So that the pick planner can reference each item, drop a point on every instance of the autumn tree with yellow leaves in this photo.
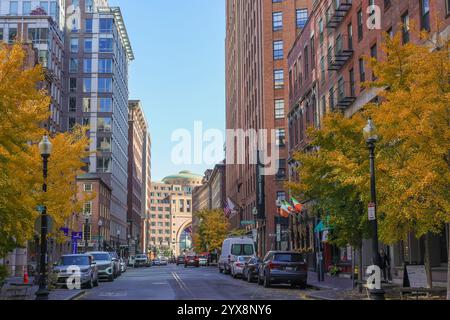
(213, 229)
(412, 154)
(23, 109)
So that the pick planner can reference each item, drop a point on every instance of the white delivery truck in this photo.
(232, 248)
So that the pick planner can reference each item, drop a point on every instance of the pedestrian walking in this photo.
(385, 266)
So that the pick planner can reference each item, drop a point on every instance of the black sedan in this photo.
(251, 268)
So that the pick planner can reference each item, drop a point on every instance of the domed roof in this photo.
(185, 175)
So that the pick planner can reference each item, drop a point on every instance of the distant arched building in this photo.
(170, 216)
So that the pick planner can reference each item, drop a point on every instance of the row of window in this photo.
(104, 85)
(301, 17)
(106, 25)
(104, 104)
(50, 7)
(104, 65)
(105, 45)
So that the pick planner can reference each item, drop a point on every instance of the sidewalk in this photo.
(332, 288)
(56, 294)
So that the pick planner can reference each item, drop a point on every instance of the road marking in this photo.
(182, 285)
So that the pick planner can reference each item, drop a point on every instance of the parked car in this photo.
(283, 267)
(141, 260)
(203, 260)
(123, 265)
(86, 264)
(180, 260)
(105, 265)
(251, 268)
(163, 261)
(191, 260)
(115, 258)
(156, 262)
(232, 248)
(237, 267)
(131, 261)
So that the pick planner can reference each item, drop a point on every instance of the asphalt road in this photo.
(179, 283)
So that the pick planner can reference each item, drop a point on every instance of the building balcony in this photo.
(344, 95)
(340, 53)
(337, 13)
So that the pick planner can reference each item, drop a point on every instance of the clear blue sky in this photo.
(178, 71)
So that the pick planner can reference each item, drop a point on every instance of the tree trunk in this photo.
(448, 261)
(360, 268)
(428, 260)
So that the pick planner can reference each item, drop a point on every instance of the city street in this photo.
(179, 283)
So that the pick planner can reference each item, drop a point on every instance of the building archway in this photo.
(184, 238)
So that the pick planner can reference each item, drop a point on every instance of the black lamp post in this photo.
(45, 149)
(371, 137)
(86, 228)
(118, 242)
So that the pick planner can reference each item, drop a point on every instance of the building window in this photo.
(87, 66)
(279, 109)
(72, 122)
(331, 98)
(301, 17)
(447, 7)
(87, 85)
(373, 54)
(72, 104)
(278, 79)
(352, 82)
(106, 45)
(89, 26)
(277, 1)
(360, 24)
(321, 31)
(106, 25)
(281, 174)
(277, 21)
(322, 69)
(306, 62)
(350, 36)
(425, 14)
(86, 121)
(53, 9)
(280, 135)
(313, 53)
(12, 35)
(362, 71)
(88, 45)
(14, 8)
(88, 187)
(387, 4)
(44, 6)
(73, 65)
(105, 105)
(103, 165)
(87, 104)
(105, 66)
(105, 85)
(74, 46)
(89, 6)
(104, 144)
(281, 195)
(104, 124)
(26, 8)
(73, 84)
(405, 27)
(278, 50)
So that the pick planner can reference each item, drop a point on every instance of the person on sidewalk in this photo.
(385, 266)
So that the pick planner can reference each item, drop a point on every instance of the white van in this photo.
(232, 248)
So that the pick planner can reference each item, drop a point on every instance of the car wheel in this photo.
(260, 282)
(293, 285)
(249, 277)
(111, 278)
(90, 284)
(266, 281)
(185, 266)
(96, 283)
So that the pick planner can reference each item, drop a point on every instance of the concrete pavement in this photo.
(179, 283)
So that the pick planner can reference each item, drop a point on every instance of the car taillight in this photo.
(273, 266)
(238, 264)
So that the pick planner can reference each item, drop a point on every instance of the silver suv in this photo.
(63, 269)
(115, 258)
(105, 265)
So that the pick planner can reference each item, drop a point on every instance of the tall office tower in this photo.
(147, 181)
(98, 52)
(259, 35)
(138, 162)
(40, 23)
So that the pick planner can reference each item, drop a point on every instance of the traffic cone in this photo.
(25, 276)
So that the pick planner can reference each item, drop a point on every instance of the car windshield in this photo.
(74, 261)
(101, 256)
(141, 256)
(289, 257)
(242, 249)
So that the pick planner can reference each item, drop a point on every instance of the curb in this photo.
(76, 295)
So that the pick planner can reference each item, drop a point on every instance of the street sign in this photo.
(372, 216)
(77, 236)
(37, 224)
(247, 222)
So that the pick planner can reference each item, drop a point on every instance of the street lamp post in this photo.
(100, 238)
(128, 243)
(86, 227)
(45, 149)
(118, 242)
(371, 138)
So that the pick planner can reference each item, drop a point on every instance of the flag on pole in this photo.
(229, 207)
(288, 205)
(297, 205)
(284, 211)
